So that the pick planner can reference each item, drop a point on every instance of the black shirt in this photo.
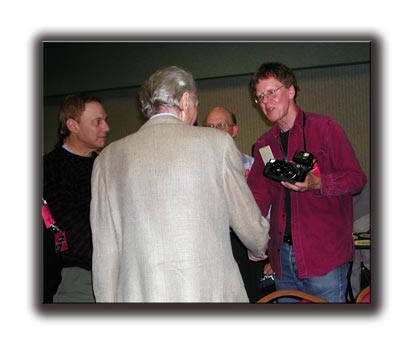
(67, 190)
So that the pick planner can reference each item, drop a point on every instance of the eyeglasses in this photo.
(219, 126)
(270, 94)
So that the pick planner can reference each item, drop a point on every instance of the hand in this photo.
(311, 182)
(268, 269)
(252, 257)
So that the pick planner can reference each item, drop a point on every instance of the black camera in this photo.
(266, 280)
(290, 171)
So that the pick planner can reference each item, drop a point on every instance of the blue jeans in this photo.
(331, 287)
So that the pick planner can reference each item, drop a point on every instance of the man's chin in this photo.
(101, 144)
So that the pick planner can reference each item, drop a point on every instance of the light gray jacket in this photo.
(163, 199)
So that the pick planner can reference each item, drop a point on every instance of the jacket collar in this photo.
(162, 119)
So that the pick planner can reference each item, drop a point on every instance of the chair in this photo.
(364, 296)
(304, 297)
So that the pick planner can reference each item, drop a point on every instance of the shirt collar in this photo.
(164, 114)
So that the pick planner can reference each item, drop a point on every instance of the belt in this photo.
(288, 240)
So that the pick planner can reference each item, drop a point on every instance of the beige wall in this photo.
(342, 92)
(72, 66)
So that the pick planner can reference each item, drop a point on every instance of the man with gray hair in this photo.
(163, 200)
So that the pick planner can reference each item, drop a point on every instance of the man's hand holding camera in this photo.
(297, 175)
(311, 182)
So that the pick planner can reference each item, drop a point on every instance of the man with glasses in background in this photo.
(311, 220)
(222, 119)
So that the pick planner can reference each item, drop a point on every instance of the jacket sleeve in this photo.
(245, 217)
(105, 242)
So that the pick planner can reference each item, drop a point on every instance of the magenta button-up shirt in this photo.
(321, 219)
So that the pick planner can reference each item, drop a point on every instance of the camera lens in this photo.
(289, 171)
(277, 168)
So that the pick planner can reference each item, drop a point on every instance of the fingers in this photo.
(268, 269)
(252, 257)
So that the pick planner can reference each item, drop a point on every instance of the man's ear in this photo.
(72, 125)
(292, 92)
(184, 101)
(235, 130)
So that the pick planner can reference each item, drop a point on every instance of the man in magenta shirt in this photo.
(311, 241)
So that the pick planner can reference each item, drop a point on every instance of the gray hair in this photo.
(165, 88)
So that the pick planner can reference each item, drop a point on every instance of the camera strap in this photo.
(315, 165)
(304, 133)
